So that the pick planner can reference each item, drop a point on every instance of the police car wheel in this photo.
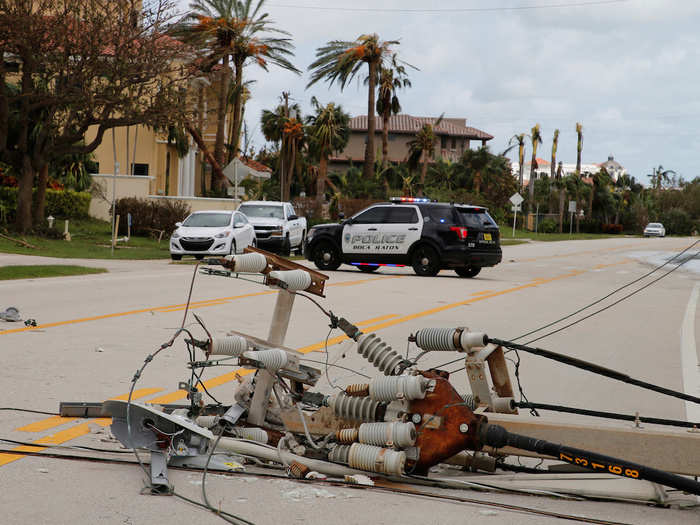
(326, 256)
(368, 269)
(468, 271)
(286, 246)
(425, 261)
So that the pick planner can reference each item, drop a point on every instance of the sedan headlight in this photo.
(223, 234)
(175, 235)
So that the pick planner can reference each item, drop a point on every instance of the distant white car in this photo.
(655, 229)
(277, 226)
(212, 232)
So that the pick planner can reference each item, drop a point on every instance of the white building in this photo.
(614, 169)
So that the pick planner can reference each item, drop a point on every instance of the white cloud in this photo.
(628, 71)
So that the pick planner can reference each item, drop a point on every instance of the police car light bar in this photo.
(409, 199)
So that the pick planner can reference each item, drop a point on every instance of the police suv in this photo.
(429, 236)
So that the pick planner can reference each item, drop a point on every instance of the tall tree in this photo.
(536, 140)
(284, 127)
(555, 146)
(78, 66)
(392, 77)
(519, 140)
(579, 190)
(579, 147)
(231, 34)
(328, 131)
(422, 148)
(476, 162)
(341, 61)
(560, 184)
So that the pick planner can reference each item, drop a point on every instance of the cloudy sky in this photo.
(628, 70)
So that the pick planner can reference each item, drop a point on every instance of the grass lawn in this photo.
(90, 240)
(511, 242)
(55, 270)
(507, 232)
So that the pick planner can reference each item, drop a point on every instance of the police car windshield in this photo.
(208, 220)
(476, 218)
(264, 211)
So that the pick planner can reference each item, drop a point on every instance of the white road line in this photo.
(689, 356)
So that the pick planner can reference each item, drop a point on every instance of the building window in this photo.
(443, 142)
(454, 143)
(140, 170)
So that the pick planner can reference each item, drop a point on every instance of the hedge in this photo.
(62, 204)
(150, 215)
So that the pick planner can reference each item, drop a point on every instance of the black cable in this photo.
(66, 447)
(605, 297)
(608, 415)
(30, 411)
(326, 312)
(594, 368)
(498, 437)
(337, 366)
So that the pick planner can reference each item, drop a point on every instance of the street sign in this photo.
(572, 206)
(516, 199)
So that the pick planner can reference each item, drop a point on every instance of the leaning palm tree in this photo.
(555, 146)
(392, 77)
(536, 140)
(233, 33)
(520, 141)
(342, 60)
(328, 131)
(579, 147)
(422, 147)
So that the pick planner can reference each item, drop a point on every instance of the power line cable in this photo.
(530, 7)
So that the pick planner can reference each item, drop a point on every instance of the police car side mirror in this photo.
(349, 221)
(292, 218)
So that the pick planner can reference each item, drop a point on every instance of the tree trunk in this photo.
(219, 153)
(216, 171)
(423, 173)
(167, 173)
(321, 181)
(24, 196)
(40, 203)
(477, 182)
(521, 159)
(238, 109)
(531, 184)
(562, 202)
(368, 168)
(385, 139)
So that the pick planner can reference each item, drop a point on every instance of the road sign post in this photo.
(572, 210)
(517, 200)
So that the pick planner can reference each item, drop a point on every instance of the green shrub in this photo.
(62, 204)
(548, 226)
(612, 228)
(677, 221)
(149, 215)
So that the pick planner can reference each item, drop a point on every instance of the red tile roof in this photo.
(254, 164)
(411, 124)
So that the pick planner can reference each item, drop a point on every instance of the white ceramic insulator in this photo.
(436, 339)
(294, 279)
(251, 434)
(347, 435)
(249, 263)
(470, 401)
(469, 340)
(504, 405)
(398, 388)
(376, 459)
(394, 434)
(233, 345)
(207, 421)
(272, 358)
(339, 454)
(354, 408)
(377, 352)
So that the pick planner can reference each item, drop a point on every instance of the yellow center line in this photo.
(376, 319)
(174, 306)
(481, 293)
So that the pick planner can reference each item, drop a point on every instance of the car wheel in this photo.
(468, 271)
(175, 257)
(367, 269)
(326, 256)
(286, 249)
(425, 261)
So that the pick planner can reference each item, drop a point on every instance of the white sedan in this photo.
(655, 229)
(211, 233)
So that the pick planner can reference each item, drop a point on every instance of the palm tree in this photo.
(423, 147)
(328, 130)
(560, 184)
(477, 162)
(579, 147)
(520, 141)
(342, 60)
(659, 176)
(579, 191)
(535, 139)
(234, 33)
(277, 126)
(555, 146)
(391, 78)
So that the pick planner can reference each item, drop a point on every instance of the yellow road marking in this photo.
(173, 306)
(376, 319)
(57, 421)
(481, 293)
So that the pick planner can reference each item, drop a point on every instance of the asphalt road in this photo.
(95, 331)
